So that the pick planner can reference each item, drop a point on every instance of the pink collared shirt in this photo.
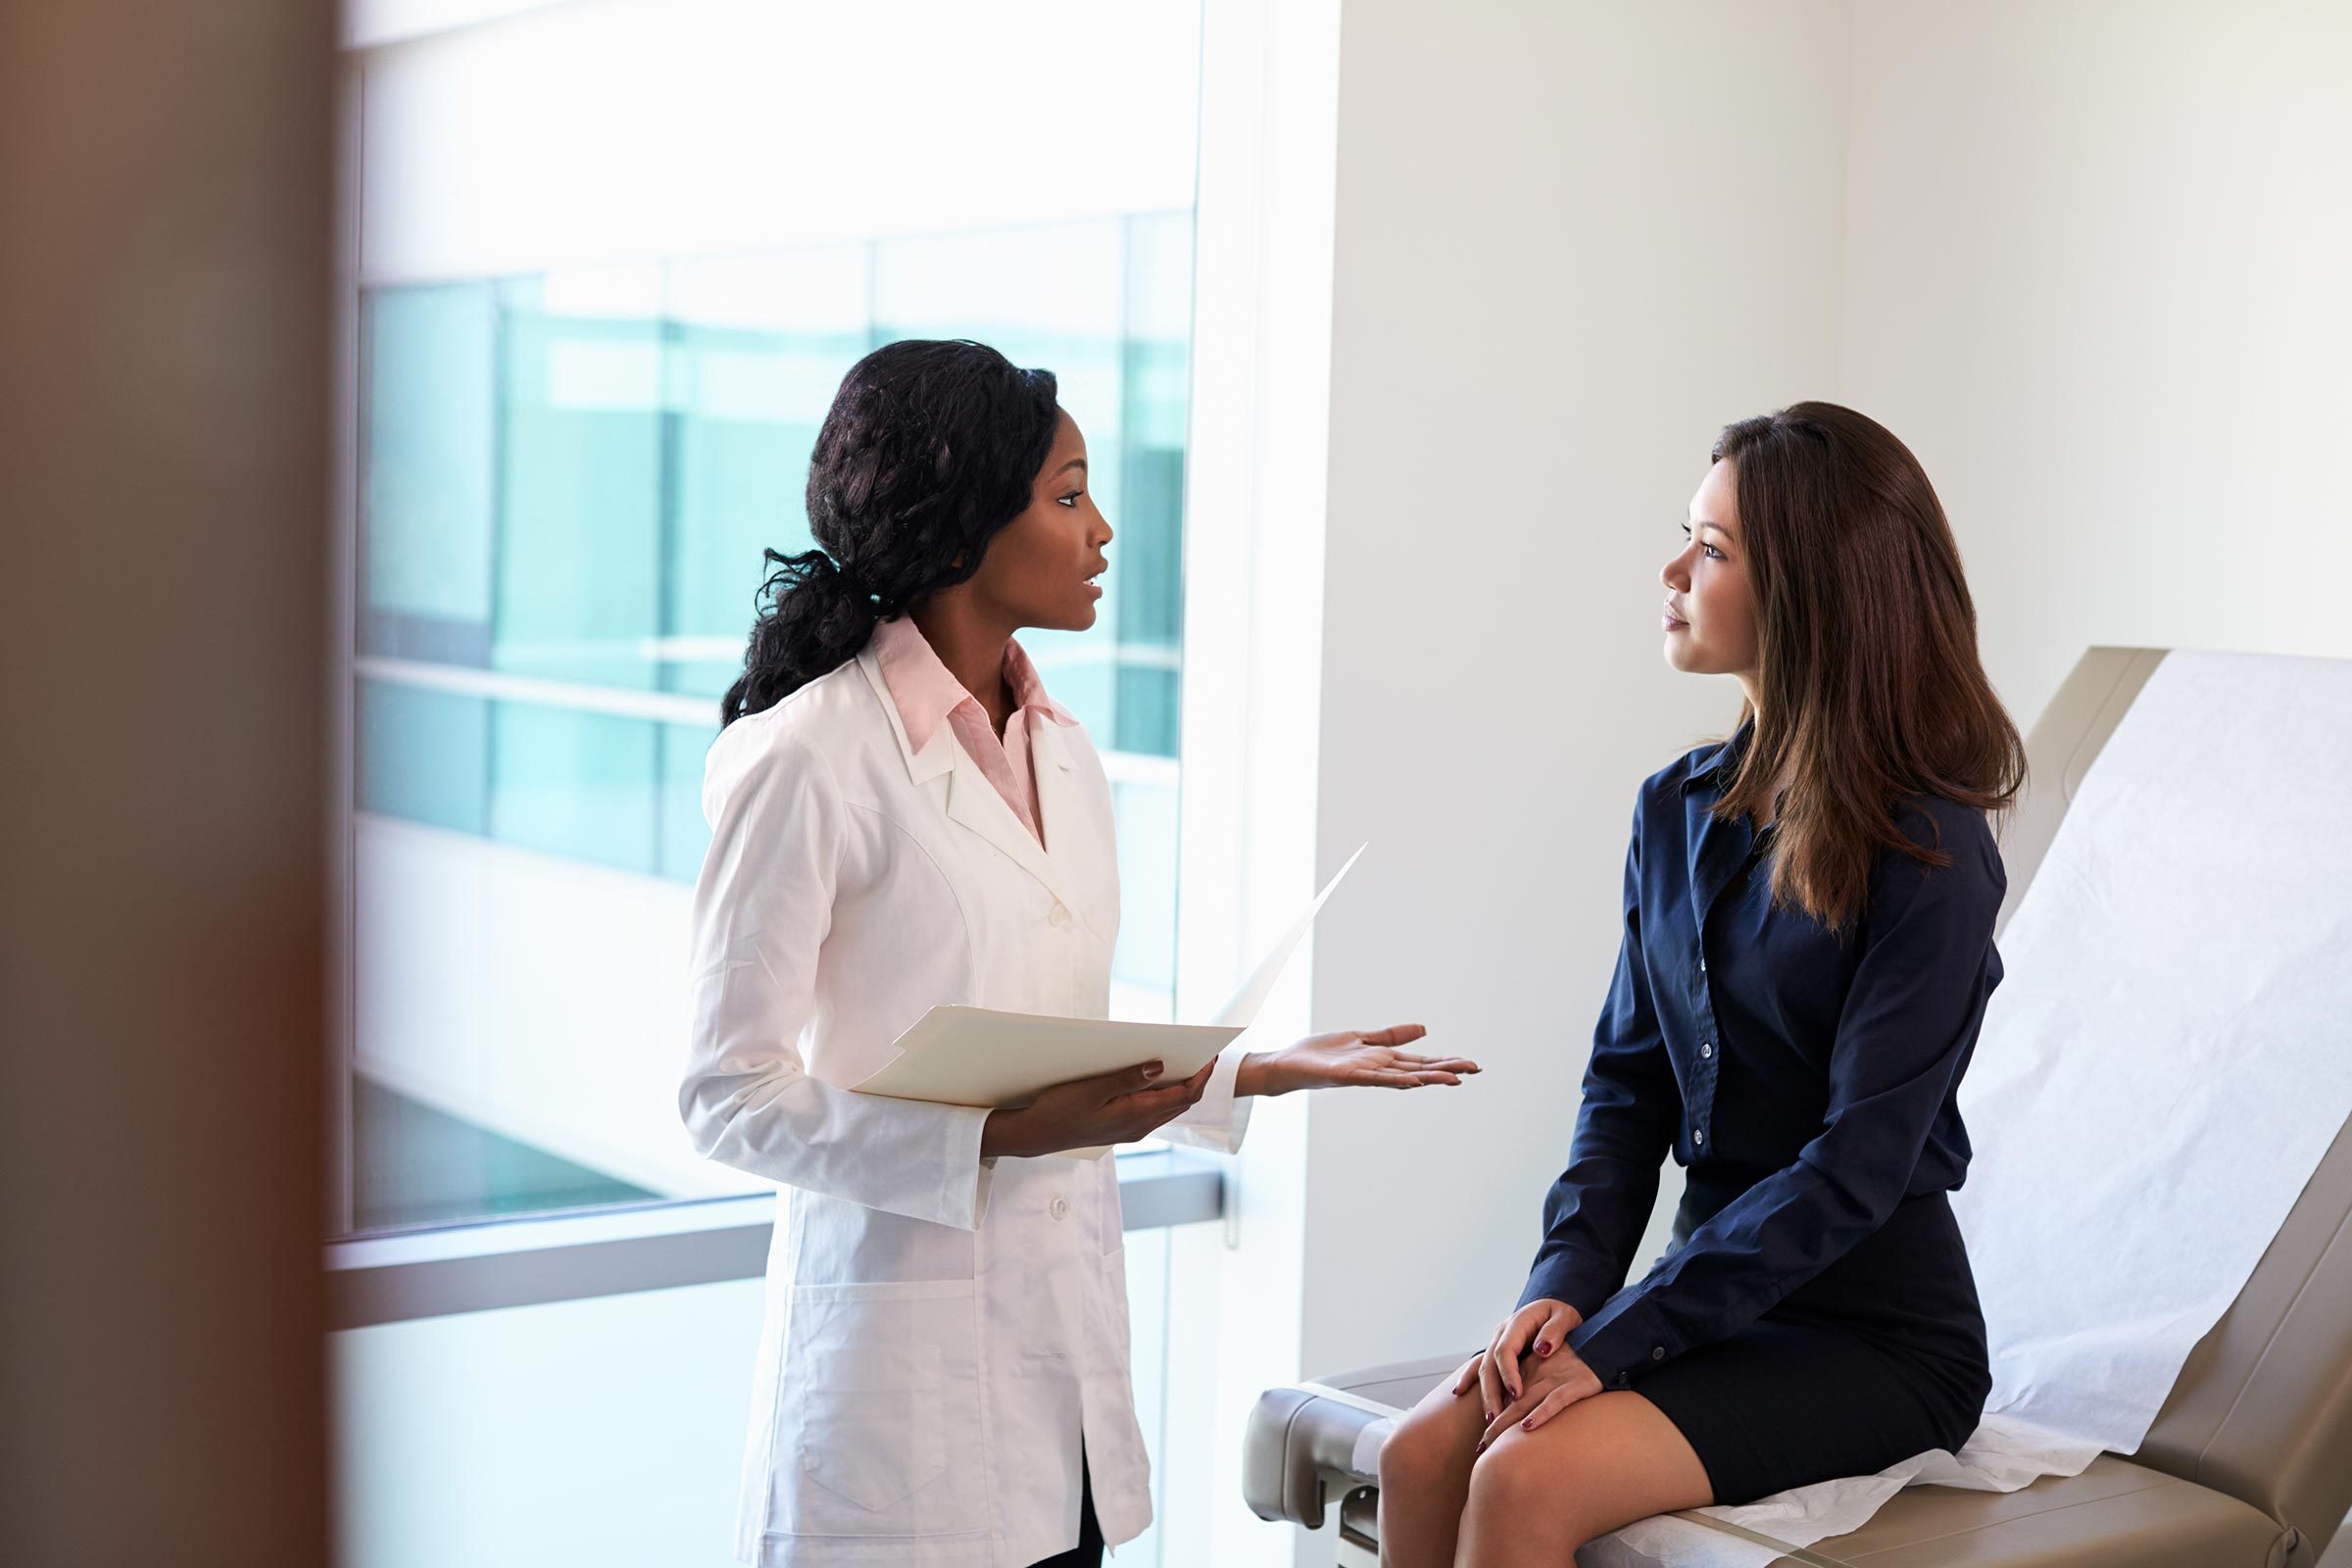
(925, 692)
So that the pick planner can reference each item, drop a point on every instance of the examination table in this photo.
(2248, 1465)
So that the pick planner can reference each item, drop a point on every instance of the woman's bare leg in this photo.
(1598, 1466)
(1425, 1479)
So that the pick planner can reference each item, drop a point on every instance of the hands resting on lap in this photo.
(1527, 1374)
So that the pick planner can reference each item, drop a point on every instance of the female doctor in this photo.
(902, 817)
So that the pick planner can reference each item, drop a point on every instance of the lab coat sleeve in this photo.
(763, 907)
(1219, 1117)
(1904, 1036)
(1595, 1213)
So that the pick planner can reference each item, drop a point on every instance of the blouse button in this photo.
(1702, 964)
(1706, 1048)
(1698, 1138)
(1061, 915)
(1060, 1207)
(1657, 1352)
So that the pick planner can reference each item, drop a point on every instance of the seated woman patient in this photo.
(1807, 951)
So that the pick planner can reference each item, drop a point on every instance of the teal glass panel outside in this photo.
(573, 784)
(755, 346)
(1154, 386)
(428, 490)
(570, 478)
(684, 833)
(415, 1165)
(581, 456)
(424, 756)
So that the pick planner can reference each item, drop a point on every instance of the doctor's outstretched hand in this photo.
(1348, 1058)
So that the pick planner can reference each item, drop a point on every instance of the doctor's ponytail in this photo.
(929, 450)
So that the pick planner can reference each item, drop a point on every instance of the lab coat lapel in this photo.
(975, 802)
(1056, 790)
(972, 799)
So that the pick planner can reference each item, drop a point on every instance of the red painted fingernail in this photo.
(1543, 1346)
(1527, 1425)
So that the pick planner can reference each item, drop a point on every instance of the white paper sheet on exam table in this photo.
(2164, 1054)
(982, 1057)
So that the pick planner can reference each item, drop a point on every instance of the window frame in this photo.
(538, 1259)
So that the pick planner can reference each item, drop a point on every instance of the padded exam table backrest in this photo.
(2263, 1408)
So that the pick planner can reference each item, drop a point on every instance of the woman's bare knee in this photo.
(1424, 1453)
(1424, 1473)
(1514, 1474)
(1595, 1468)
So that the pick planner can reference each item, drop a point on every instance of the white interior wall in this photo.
(2097, 257)
(1571, 242)
(2088, 261)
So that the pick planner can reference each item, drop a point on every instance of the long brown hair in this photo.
(1866, 649)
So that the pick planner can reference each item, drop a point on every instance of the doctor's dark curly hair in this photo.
(929, 449)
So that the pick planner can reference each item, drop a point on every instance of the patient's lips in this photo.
(1671, 621)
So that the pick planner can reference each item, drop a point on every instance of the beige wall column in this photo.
(164, 299)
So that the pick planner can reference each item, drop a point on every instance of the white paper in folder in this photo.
(982, 1057)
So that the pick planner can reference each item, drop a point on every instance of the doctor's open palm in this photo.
(1119, 1107)
(1350, 1058)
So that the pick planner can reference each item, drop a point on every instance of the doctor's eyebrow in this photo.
(1074, 462)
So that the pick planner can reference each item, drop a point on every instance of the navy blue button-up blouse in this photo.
(1754, 1046)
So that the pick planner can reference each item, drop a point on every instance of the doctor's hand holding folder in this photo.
(1076, 1085)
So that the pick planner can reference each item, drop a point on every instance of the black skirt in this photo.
(1879, 1358)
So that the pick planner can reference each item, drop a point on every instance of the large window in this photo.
(566, 483)
(604, 266)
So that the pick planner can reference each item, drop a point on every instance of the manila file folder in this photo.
(981, 1057)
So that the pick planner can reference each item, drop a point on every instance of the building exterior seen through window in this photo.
(565, 483)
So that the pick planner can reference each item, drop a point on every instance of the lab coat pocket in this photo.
(875, 1447)
(881, 1408)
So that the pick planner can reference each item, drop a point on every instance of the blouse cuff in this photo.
(1581, 1281)
(1620, 1344)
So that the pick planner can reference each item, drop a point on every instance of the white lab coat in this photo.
(938, 1334)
